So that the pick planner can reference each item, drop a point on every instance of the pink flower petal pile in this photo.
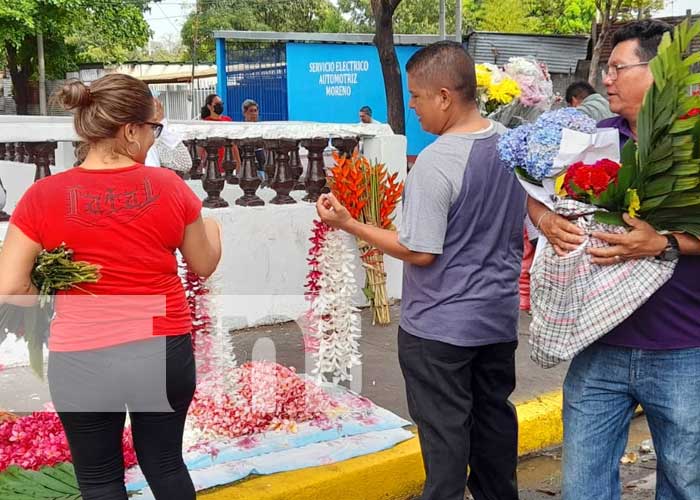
(38, 440)
(269, 396)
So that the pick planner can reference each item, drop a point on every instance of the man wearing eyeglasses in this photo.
(653, 357)
(627, 76)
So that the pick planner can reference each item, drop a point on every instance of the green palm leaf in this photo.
(668, 170)
(49, 483)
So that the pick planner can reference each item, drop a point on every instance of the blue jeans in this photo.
(602, 390)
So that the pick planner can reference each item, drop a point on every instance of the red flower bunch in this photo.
(693, 112)
(320, 230)
(590, 179)
(38, 440)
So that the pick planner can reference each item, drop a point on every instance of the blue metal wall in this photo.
(321, 83)
(259, 72)
(330, 82)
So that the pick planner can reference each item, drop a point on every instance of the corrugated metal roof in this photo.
(560, 53)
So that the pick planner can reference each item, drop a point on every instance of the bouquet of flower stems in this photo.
(536, 92)
(53, 270)
(659, 180)
(371, 195)
(495, 89)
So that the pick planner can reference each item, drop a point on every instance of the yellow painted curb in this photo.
(395, 474)
(539, 423)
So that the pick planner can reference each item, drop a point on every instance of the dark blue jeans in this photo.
(602, 390)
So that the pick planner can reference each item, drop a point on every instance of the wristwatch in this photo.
(672, 250)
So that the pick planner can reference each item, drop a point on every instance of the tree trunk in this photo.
(594, 70)
(20, 79)
(384, 41)
(609, 10)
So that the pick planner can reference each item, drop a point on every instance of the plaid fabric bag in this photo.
(575, 302)
(177, 158)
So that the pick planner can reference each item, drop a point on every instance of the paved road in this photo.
(540, 478)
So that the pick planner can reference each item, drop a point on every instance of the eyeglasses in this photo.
(612, 71)
(157, 128)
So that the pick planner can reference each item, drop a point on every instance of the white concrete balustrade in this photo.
(263, 270)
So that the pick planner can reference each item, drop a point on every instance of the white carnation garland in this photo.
(335, 321)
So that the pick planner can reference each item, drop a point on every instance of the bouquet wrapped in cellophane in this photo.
(582, 176)
(53, 270)
(371, 195)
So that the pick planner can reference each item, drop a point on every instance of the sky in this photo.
(167, 17)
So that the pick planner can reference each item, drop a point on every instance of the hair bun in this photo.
(74, 94)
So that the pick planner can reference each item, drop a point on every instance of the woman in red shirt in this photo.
(212, 111)
(123, 342)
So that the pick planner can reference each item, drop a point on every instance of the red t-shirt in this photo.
(221, 118)
(129, 221)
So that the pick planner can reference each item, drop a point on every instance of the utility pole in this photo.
(42, 73)
(443, 32)
(458, 21)
(195, 42)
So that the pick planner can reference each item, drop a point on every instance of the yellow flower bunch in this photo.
(483, 76)
(634, 203)
(494, 87)
(504, 91)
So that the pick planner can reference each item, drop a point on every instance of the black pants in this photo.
(458, 398)
(95, 438)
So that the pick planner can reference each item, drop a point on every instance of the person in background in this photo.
(251, 111)
(529, 249)
(114, 212)
(582, 96)
(213, 109)
(461, 240)
(168, 150)
(251, 114)
(366, 115)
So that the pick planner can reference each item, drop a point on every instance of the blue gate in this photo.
(258, 71)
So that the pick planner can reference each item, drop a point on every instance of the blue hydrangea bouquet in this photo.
(530, 149)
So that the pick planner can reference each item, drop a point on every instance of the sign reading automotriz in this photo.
(330, 82)
(338, 77)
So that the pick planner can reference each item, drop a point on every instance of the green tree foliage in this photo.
(413, 16)
(74, 31)
(509, 16)
(565, 17)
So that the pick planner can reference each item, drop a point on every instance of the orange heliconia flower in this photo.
(366, 190)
